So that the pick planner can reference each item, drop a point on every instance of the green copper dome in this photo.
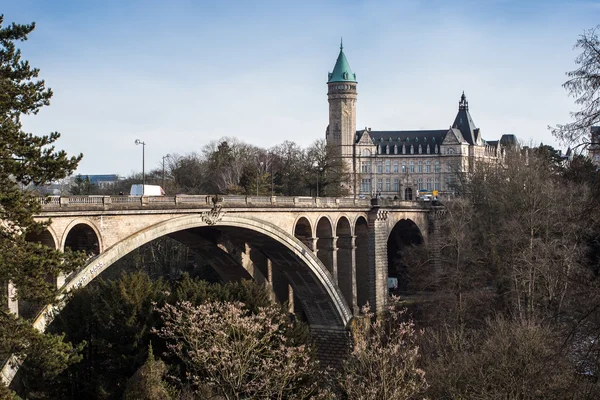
(341, 71)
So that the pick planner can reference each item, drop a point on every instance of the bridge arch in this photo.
(47, 237)
(361, 231)
(325, 244)
(303, 231)
(82, 234)
(322, 302)
(404, 233)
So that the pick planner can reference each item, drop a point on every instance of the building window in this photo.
(412, 149)
(429, 184)
(396, 185)
(387, 166)
(365, 186)
(387, 149)
(404, 167)
(379, 185)
(395, 149)
(408, 195)
(365, 167)
(379, 167)
(428, 167)
(436, 167)
(388, 186)
(403, 149)
(395, 167)
(420, 184)
(428, 147)
(420, 150)
(412, 166)
(420, 167)
(437, 185)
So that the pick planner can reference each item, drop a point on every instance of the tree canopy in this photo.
(26, 158)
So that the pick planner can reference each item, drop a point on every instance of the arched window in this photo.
(408, 194)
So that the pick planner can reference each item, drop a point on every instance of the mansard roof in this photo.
(390, 142)
(405, 137)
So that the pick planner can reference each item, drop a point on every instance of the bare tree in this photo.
(584, 85)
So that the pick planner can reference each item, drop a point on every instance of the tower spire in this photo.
(463, 104)
(342, 43)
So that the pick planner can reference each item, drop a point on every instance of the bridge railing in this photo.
(203, 201)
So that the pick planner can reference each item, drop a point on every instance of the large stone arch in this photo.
(321, 300)
(405, 233)
(82, 222)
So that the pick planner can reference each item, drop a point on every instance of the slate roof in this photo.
(464, 122)
(431, 139)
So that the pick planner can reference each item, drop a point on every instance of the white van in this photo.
(146, 190)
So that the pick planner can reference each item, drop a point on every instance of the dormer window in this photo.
(345, 75)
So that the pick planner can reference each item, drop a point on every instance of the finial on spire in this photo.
(463, 104)
(342, 43)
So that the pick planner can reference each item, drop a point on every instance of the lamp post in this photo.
(163, 170)
(257, 174)
(138, 141)
(318, 173)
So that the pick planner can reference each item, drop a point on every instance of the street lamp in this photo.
(163, 171)
(138, 141)
(257, 174)
(318, 173)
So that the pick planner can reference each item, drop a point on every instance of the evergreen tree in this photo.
(24, 159)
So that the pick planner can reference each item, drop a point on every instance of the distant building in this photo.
(404, 162)
(102, 181)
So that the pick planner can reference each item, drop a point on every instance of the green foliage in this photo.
(24, 159)
(115, 319)
(83, 186)
(148, 382)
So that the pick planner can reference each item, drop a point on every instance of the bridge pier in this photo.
(332, 344)
(346, 267)
(378, 262)
(327, 253)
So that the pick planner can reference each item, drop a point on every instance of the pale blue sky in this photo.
(179, 74)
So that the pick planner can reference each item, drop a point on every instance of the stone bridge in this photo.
(326, 256)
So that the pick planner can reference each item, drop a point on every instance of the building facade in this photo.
(402, 163)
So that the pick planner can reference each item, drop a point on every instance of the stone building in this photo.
(402, 163)
(594, 146)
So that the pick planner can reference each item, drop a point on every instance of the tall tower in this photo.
(341, 84)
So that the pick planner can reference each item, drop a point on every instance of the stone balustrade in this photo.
(53, 203)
